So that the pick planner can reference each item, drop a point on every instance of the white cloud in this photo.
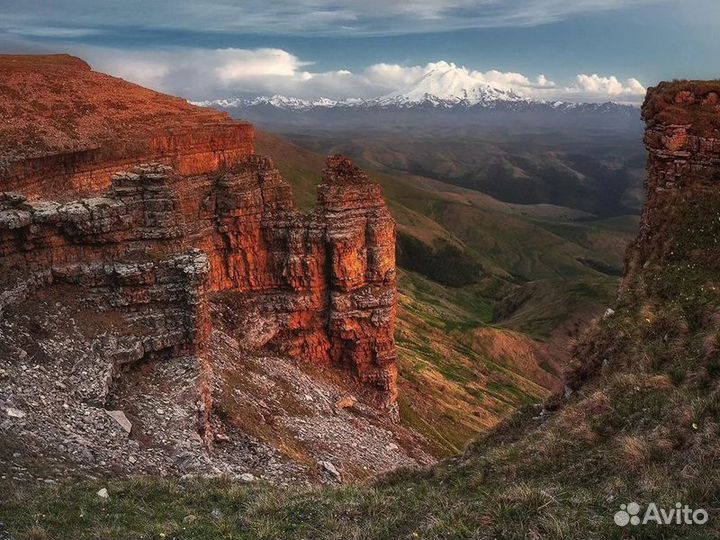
(596, 88)
(217, 73)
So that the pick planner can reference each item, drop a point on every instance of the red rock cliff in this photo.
(681, 217)
(361, 239)
(155, 241)
(64, 129)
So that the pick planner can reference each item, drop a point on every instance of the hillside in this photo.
(638, 424)
(599, 173)
(524, 278)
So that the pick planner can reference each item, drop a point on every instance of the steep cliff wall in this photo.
(81, 208)
(329, 276)
(680, 225)
(670, 288)
(361, 238)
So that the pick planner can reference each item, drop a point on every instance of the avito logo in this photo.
(629, 514)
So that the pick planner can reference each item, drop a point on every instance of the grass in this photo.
(631, 436)
(531, 475)
(642, 424)
(539, 309)
(451, 387)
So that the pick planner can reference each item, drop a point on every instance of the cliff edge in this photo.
(141, 235)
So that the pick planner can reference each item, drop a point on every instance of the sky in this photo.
(574, 50)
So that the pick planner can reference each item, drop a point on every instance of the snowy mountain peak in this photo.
(278, 101)
(450, 85)
(444, 86)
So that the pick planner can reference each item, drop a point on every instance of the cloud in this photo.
(53, 32)
(323, 17)
(596, 87)
(218, 73)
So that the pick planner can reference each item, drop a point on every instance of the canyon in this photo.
(636, 421)
(246, 315)
(174, 302)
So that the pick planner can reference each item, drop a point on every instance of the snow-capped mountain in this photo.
(436, 88)
(278, 101)
(440, 98)
(445, 87)
(448, 88)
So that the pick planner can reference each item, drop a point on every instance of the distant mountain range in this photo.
(438, 90)
(436, 101)
(486, 98)
(449, 127)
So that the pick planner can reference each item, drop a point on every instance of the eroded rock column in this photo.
(360, 236)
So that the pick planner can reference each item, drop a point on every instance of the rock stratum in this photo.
(146, 253)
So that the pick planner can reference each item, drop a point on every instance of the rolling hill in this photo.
(482, 283)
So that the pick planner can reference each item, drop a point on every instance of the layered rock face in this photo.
(681, 220)
(156, 243)
(361, 237)
(65, 129)
(330, 276)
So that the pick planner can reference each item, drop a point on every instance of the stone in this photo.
(685, 97)
(247, 477)
(14, 413)
(221, 437)
(328, 467)
(103, 493)
(346, 402)
(121, 419)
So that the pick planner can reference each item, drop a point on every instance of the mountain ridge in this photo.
(482, 100)
(441, 87)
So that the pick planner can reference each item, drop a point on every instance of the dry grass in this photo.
(685, 103)
(633, 453)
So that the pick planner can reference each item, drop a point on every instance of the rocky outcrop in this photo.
(329, 276)
(681, 218)
(149, 206)
(360, 234)
(65, 129)
(670, 288)
(147, 253)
